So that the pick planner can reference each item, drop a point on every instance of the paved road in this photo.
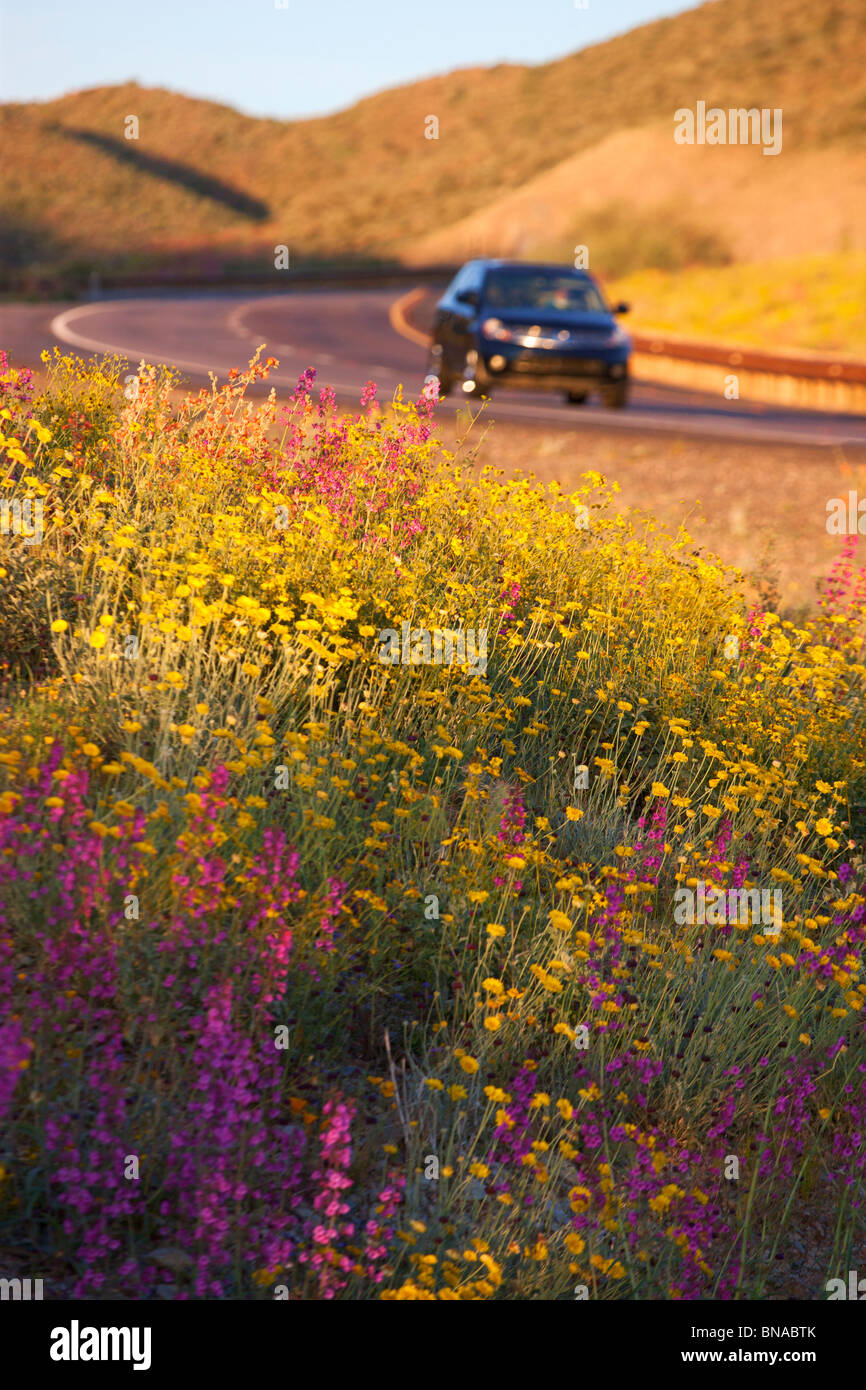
(349, 336)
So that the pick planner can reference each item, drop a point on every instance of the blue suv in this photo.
(541, 327)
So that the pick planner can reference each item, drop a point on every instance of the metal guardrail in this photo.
(751, 359)
(280, 281)
(63, 285)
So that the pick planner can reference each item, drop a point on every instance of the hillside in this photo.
(541, 153)
(636, 200)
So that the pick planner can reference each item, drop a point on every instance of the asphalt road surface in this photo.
(351, 336)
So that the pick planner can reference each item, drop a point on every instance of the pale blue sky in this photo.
(313, 57)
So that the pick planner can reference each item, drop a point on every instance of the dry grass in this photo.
(636, 200)
(813, 303)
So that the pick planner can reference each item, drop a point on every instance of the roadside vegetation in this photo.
(328, 977)
(812, 303)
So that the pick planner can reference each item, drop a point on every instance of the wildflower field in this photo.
(331, 977)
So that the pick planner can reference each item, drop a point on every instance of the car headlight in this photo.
(495, 328)
(615, 338)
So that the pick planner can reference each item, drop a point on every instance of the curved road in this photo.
(354, 335)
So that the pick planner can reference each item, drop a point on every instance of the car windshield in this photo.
(553, 291)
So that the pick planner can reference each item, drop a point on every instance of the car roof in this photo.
(497, 263)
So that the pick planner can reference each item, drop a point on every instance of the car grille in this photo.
(532, 336)
(545, 363)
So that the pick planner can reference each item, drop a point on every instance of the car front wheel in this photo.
(616, 397)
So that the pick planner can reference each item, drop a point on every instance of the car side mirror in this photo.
(471, 297)
(621, 308)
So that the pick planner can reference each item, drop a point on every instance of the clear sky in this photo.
(309, 58)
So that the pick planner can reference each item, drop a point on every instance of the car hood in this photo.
(580, 323)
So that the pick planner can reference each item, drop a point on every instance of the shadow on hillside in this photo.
(23, 244)
(34, 261)
(182, 174)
